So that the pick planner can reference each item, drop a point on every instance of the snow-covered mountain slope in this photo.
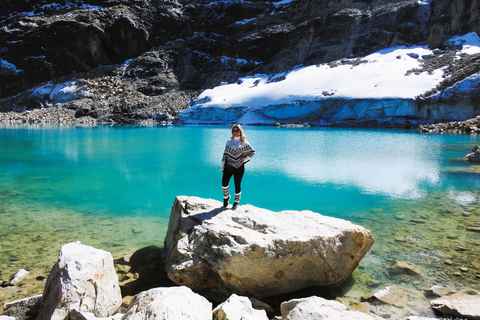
(387, 83)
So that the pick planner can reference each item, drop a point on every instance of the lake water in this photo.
(112, 187)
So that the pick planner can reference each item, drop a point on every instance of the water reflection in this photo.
(463, 198)
(397, 165)
(144, 166)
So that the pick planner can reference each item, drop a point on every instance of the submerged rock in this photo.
(257, 252)
(439, 291)
(398, 301)
(402, 267)
(392, 295)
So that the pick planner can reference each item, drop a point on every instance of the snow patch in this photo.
(58, 93)
(245, 21)
(282, 3)
(470, 42)
(389, 75)
(57, 6)
(10, 66)
(225, 59)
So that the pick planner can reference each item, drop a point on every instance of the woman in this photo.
(237, 152)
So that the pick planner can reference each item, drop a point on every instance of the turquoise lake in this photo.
(112, 187)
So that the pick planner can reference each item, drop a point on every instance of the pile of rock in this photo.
(231, 254)
(61, 116)
(471, 126)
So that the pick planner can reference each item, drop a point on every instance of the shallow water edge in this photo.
(437, 237)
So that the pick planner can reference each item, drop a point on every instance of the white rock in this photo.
(84, 279)
(19, 276)
(238, 308)
(78, 315)
(464, 304)
(394, 295)
(316, 308)
(172, 303)
(439, 291)
(398, 301)
(256, 252)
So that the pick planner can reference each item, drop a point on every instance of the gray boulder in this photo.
(462, 304)
(316, 308)
(84, 279)
(22, 309)
(256, 252)
(168, 304)
(474, 155)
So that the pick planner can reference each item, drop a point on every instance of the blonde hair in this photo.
(242, 134)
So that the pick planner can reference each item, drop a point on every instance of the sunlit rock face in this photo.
(256, 252)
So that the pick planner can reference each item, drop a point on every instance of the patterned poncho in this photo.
(235, 150)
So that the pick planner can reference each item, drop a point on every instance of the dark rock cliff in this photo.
(146, 59)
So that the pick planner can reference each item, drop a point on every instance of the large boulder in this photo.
(256, 252)
(169, 304)
(84, 279)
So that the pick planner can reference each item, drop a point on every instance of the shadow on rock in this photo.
(141, 270)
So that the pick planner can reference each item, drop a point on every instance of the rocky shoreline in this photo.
(64, 116)
(142, 270)
(470, 126)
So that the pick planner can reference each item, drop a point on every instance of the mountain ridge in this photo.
(147, 60)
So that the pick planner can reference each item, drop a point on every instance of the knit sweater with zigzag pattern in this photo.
(235, 150)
